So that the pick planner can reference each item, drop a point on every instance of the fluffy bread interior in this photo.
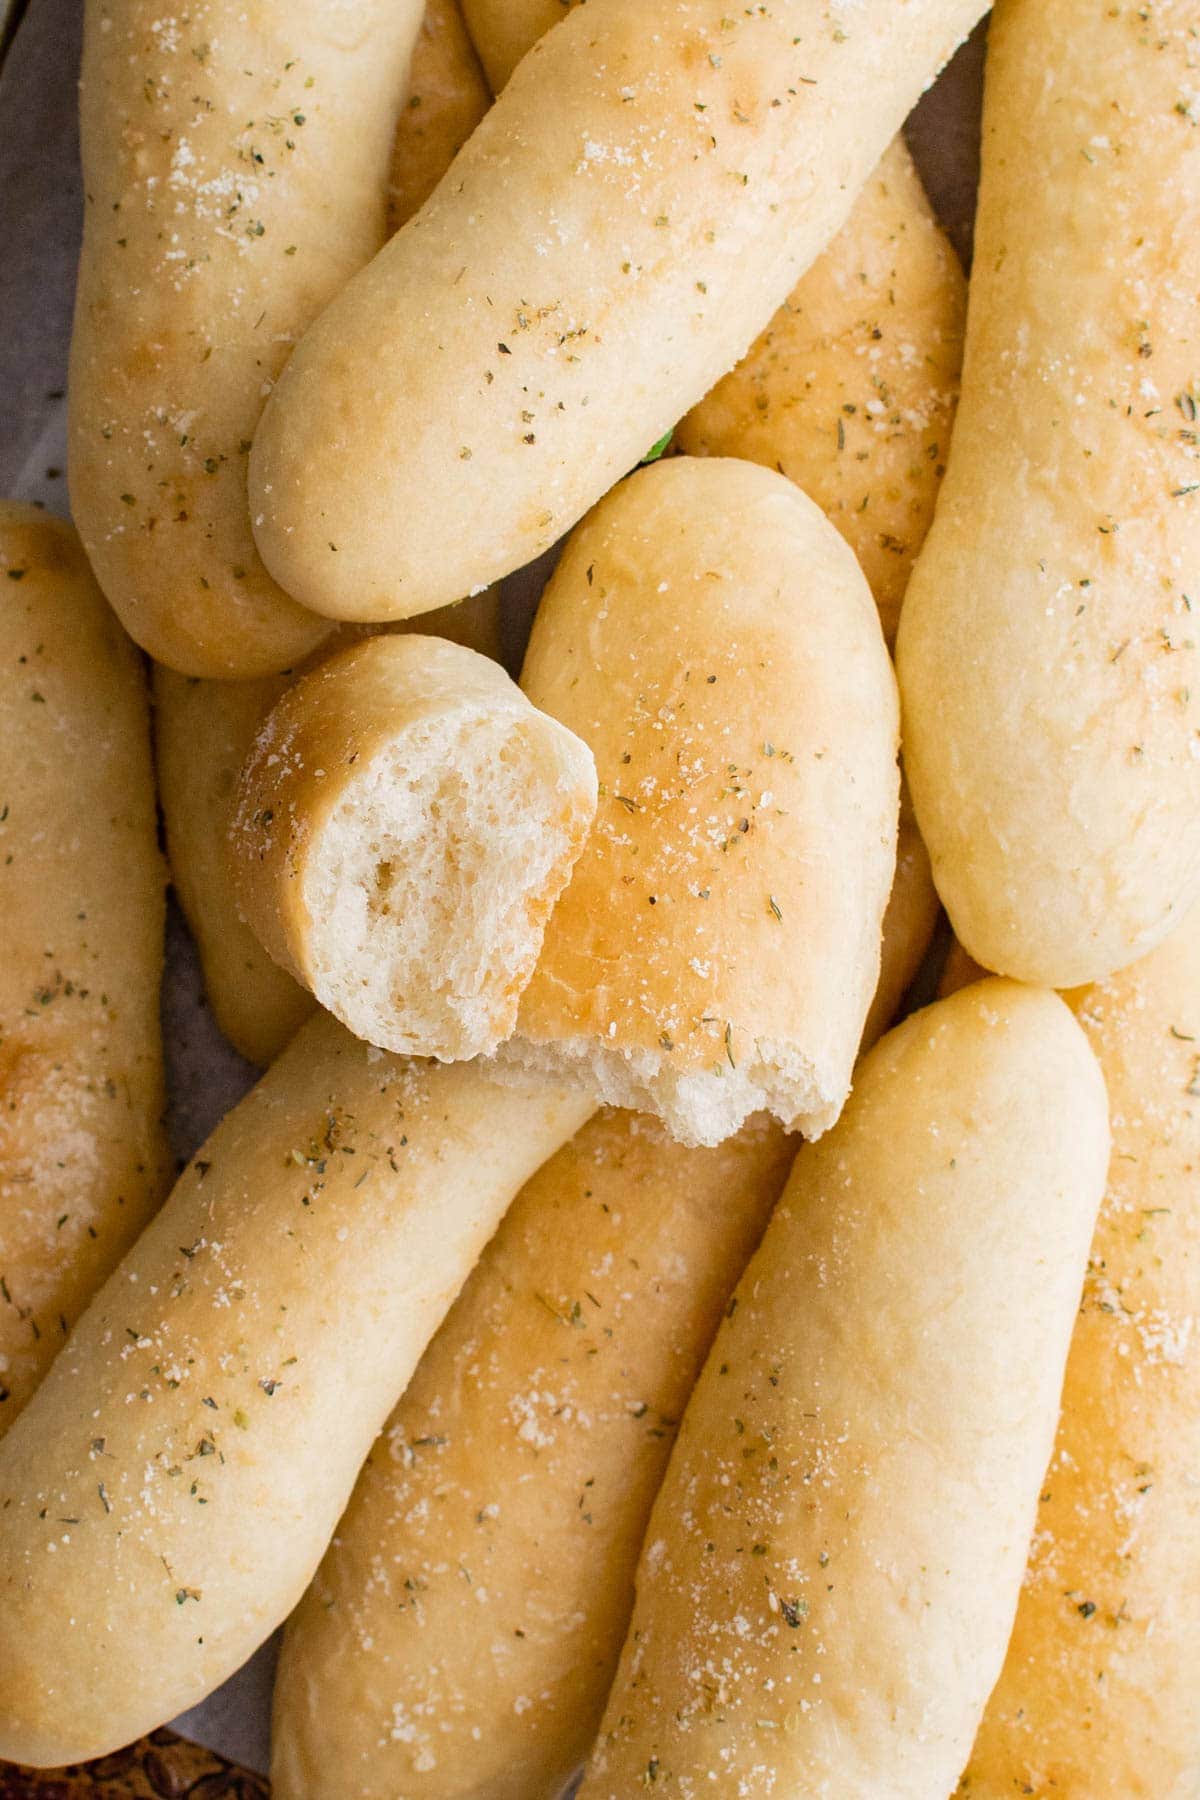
(429, 885)
(699, 1107)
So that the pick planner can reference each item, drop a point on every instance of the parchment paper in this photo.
(40, 212)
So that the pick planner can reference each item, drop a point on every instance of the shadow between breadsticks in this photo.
(167, 1495)
(236, 170)
(642, 196)
(1098, 1694)
(1047, 653)
(83, 1160)
(833, 1561)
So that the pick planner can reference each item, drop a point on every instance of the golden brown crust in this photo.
(610, 239)
(203, 731)
(169, 1491)
(503, 30)
(159, 1767)
(446, 98)
(832, 1564)
(83, 1161)
(851, 389)
(525, 1456)
(1048, 653)
(909, 922)
(711, 638)
(235, 170)
(1099, 1695)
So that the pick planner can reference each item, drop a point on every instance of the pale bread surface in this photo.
(169, 1491)
(851, 389)
(83, 1159)
(642, 196)
(833, 1562)
(464, 1627)
(236, 172)
(203, 731)
(1048, 650)
(1099, 1696)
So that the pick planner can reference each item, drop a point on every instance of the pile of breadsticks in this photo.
(506, 1339)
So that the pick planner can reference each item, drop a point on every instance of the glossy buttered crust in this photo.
(236, 171)
(832, 1565)
(1047, 654)
(203, 731)
(168, 1493)
(710, 637)
(629, 214)
(851, 389)
(1099, 1693)
(82, 1156)
(445, 99)
(463, 1630)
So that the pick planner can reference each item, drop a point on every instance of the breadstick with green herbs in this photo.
(83, 1159)
(236, 166)
(169, 1491)
(833, 1562)
(643, 195)
(1048, 650)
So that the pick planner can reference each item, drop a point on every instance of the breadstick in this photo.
(850, 391)
(643, 195)
(712, 639)
(402, 827)
(1099, 1695)
(833, 1561)
(236, 172)
(909, 921)
(503, 30)
(203, 734)
(463, 1630)
(447, 97)
(1047, 658)
(168, 1493)
(82, 1157)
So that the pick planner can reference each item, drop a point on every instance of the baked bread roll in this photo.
(1047, 657)
(851, 389)
(464, 1627)
(1099, 1695)
(606, 245)
(403, 825)
(83, 1162)
(712, 639)
(236, 171)
(909, 921)
(503, 30)
(446, 98)
(203, 733)
(168, 1493)
(833, 1561)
